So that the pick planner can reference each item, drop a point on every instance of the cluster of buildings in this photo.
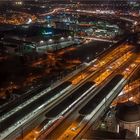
(123, 122)
(95, 4)
(27, 39)
(123, 5)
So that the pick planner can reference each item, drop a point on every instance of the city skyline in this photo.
(69, 69)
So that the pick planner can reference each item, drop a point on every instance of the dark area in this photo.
(30, 107)
(69, 100)
(94, 102)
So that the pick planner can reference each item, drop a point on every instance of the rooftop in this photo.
(128, 112)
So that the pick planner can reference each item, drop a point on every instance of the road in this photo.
(30, 106)
(72, 130)
(53, 11)
(94, 67)
(68, 134)
(106, 73)
(101, 39)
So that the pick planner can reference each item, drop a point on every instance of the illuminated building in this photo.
(102, 4)
(128, 117)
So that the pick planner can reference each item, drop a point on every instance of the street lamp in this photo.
(62, 39)
(88, 58)
(69, 38)
(50, 41)
(41, 41)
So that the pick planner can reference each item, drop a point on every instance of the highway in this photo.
(129, 92)
(52, 12)
(22, 113)
(36, 102)
(100, 39)
(97, 105)
(113, 94)
(105, 74)
(69, 133)
(94, 69)
(36, 90)
(87, 109)
(95, 12)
